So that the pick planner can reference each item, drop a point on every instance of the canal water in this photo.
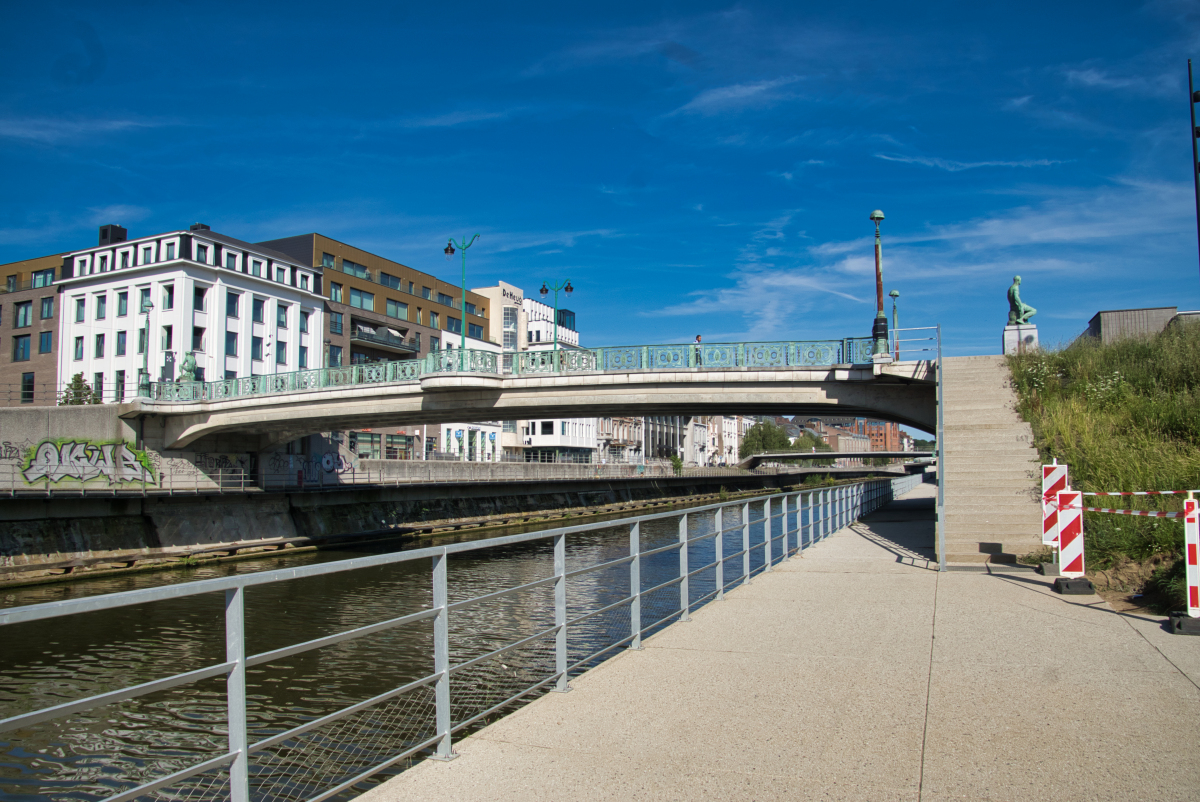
(93, 755)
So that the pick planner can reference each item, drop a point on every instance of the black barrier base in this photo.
(1048, 569)
(1074, 586)
(1183, 624)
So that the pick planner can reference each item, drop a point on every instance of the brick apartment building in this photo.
(29, 309)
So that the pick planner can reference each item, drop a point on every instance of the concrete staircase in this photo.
(992, 469)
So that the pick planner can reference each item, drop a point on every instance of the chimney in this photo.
(200, 227)
(112, 234)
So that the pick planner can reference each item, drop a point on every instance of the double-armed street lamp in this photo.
(879, 330)
(565, 287)
(895, 322)
(144, 378)
(449, 251)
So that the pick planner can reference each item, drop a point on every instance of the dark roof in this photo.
(271, 252)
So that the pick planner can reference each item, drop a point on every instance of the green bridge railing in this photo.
(618, 359)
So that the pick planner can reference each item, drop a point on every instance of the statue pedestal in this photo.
(1021, 338)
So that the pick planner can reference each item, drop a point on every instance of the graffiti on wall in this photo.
(14, 452)
(314, 468)
(84, 460)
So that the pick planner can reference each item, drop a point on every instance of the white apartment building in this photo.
(540, 324)
(620, 440)
(238, 308)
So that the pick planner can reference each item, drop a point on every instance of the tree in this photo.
(924, 445)
(763, 437)
(78, 393)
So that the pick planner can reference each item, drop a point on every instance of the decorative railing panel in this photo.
(623, 359)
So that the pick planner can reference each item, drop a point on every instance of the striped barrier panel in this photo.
(1054, 481)
(1070, 533)
(1191, 538)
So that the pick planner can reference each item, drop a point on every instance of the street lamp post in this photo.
(568, 289)
(144, 378)
(449, 251)
(879, 329)
(896, 321)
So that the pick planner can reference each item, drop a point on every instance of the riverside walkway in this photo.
(860, 673)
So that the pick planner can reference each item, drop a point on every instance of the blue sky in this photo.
(691, 167)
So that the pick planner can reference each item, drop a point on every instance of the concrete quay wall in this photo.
(39, 536)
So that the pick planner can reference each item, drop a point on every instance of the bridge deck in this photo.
(823, 680)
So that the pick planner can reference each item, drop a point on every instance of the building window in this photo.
(281, 275)
(255, 267)
(101, 307)
(304, 322)
(433, 320)
(83, 267)
(352, 269)
(303, 364)
(280, 352)
(198, 298)
(260, 311)
(230, 374)
(103, 264)
(122, 304)
(434, 343)
(80, 309)
(168, 338)
(453, 325)
(124, 259)
(231, 304)
(445, 300)
(10, 284)
(416, 338)
(256, 347)
(99, 346)
(44, 278)
(45, 342)
(231, 261)
(202, 253)
(335, 356)
(170, 250)
(197, 338)
(144, 301)
(327, 260)
(231, 343)
(281, 315)
(475, 331)
(98, 385)
(23, 314)
(26, 388)
(141, 341)
(397, 310)
(168, 296)
(547, 427)
(362, 300)
(78, 348)
(20, 352)
(120, 343)
(304, 281)
(335, 292)
(335, 322)
(147, 255)
(471, 308)
(119, 386)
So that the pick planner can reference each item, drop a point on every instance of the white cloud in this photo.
(1163, 84)
(955, 166)
(454, 118)
(50, 131)
(736, 97)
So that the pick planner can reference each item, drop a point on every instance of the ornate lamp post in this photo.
(565, 287)
(896, 321)
(879, 329)
(144, 377)
(449, 251)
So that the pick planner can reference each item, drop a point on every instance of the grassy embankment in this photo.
(1125, 416)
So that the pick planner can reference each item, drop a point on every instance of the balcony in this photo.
(384, 342)
(373, 277)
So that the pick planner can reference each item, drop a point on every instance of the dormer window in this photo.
(103, 264)
(304, 281)
(147, 255)
(124, 258)
(83, 267)
(202, 253)
(170, 250)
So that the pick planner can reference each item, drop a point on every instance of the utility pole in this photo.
(1194, 98)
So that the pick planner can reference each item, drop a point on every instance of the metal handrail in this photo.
(817, 513)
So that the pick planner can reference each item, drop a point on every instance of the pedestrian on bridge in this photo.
(699, 360)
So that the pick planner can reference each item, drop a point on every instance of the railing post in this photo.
(746, 543)
(767, 534)
(235, 693)
(719, 551)
(800, 518)
(635, 585)
(684, 594)
(441, 658)
(560, 613)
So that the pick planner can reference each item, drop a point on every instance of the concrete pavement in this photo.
(860, 673)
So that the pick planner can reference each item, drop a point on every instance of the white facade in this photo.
(240, 309)
(540, 326)
(620, 440)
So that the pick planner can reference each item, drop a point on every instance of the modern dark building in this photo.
(29, 309)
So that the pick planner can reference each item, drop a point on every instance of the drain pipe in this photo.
(941, 457)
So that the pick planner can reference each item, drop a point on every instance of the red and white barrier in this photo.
(1054, 481)
(1191, 539)
(1070, 533)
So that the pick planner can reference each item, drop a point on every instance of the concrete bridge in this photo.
(753, 460)
(467, 386)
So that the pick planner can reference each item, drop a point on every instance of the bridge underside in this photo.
(264, 421)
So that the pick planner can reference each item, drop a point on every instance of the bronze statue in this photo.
(188, 372)
(1018, 312)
